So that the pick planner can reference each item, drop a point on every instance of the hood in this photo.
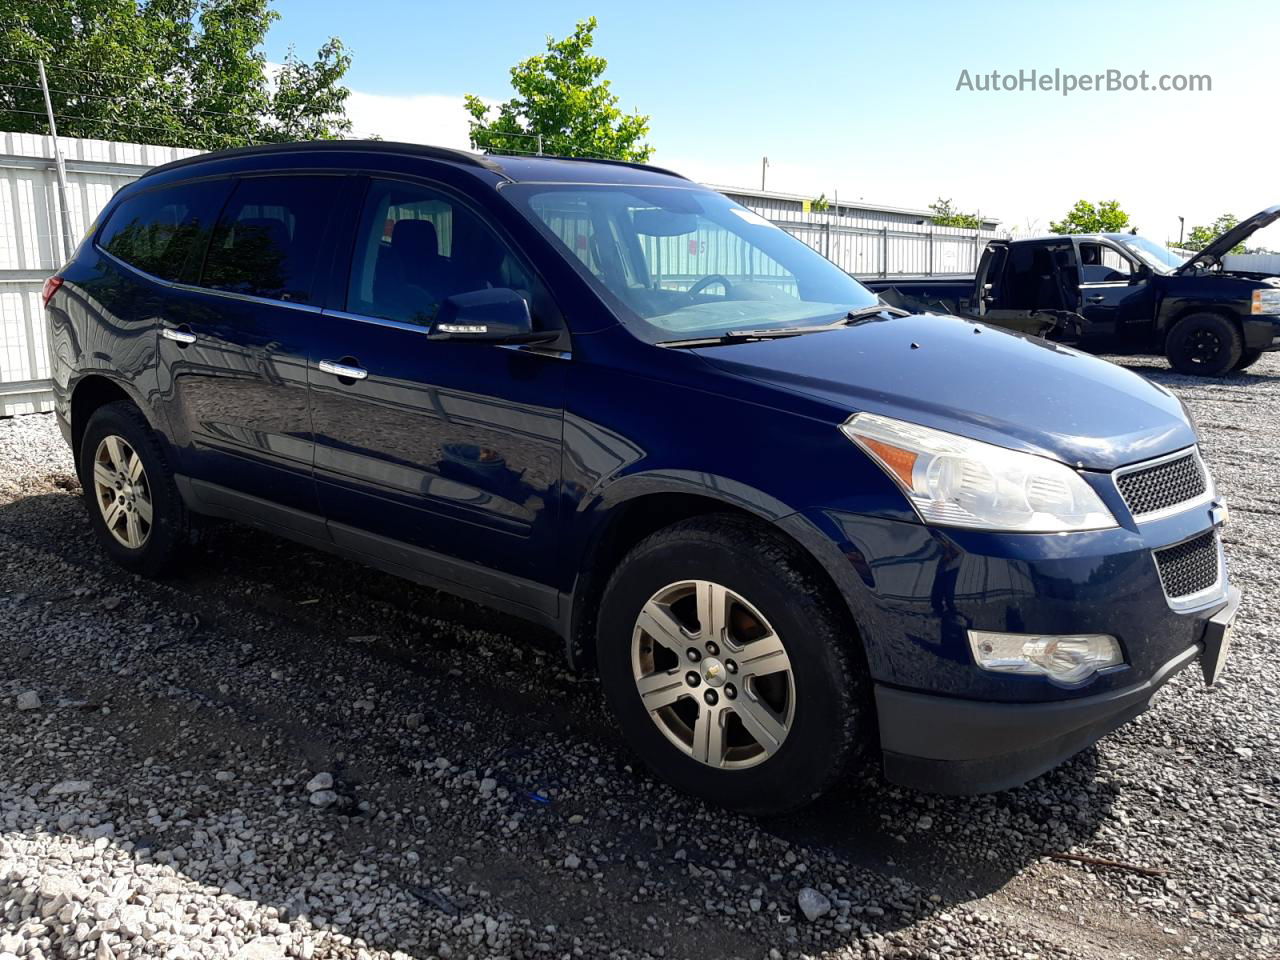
(975, 380)
(1221, 246)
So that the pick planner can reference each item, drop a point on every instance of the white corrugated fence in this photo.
(31, 244)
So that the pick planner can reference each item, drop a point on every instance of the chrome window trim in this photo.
(378, 321)
(191, 288)
(415, 328)
(1201, 598)
(1152, 515)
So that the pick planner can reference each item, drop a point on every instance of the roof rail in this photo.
(616, 163)
(374, 146)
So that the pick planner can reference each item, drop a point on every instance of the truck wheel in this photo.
(134, 506)
(1204, 345)
(730, 670)
(1248, 359)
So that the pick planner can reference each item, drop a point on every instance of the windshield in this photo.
(679, 263)
(1158, 258)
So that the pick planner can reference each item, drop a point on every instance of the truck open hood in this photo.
(1241, 232)
(975, 380)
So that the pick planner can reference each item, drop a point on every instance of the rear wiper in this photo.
(774, 333)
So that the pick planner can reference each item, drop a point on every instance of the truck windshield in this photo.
(678, 263)
(1158, 258)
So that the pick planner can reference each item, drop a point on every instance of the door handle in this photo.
(342, 370)
(178, 336)
(1096, 299)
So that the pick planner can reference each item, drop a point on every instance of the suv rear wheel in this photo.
(134, 506)
(729, 669)
(1205, 345)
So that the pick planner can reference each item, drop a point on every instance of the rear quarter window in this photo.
(158, 230)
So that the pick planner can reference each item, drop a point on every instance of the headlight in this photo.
(1265, 301)
(1066, 659)
(958, 482)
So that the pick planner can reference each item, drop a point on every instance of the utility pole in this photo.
(1181, 225)
(764, 165)
(539, 144)
(68, 242)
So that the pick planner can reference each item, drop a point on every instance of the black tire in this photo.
(167, 532)
(1248, 359)
(1205, 345)
(832, 708)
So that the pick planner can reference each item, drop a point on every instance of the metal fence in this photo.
(888, 251)
(32, 246)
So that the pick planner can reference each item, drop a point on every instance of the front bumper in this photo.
(1261, 333)
(951, 745)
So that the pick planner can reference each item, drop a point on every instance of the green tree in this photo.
(944, 215)
(185, 73)
(1200, 237)
(561, 97)
(1084, 217)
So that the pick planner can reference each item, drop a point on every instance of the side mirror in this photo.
(1140, 273)
(498, 315)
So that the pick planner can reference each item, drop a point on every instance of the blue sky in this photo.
(861, 98)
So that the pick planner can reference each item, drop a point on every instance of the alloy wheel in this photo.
(713, 675)
(1205, 345)
(122, 492)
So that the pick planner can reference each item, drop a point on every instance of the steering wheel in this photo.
(710, 280)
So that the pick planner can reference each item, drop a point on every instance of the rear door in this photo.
(437, 456)
(233, 347)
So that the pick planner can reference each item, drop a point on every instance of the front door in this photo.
(1115, 297)
(437, 455)
(233, 347)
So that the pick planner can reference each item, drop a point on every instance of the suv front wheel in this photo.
(134, 506)
(729, 668)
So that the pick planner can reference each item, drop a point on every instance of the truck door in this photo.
(1115, 297)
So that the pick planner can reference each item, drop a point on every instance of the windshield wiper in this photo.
(774, 333)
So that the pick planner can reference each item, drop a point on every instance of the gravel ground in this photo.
(275, 753)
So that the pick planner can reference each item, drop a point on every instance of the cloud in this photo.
(430, 118)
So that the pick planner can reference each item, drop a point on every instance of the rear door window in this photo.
(270, 237)
(158, 230)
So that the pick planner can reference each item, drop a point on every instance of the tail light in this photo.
(50, 288)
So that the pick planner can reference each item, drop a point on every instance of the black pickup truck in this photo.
(1116, 293)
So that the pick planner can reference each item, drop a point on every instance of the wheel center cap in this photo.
(713, 671)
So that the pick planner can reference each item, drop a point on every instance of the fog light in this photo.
(1066, 659)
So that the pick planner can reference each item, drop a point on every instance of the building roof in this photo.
(844, 204)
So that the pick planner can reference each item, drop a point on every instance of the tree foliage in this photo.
(1201, 236)
(1084, 217)
(186, 73)
(945, 215)
(560, 95)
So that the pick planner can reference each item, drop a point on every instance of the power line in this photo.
(140, 126)
(115, 99)
(90, 73)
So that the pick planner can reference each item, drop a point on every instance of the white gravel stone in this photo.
(813, 904)
(65, 788)
(321, 781)
(28, 700)
(323, 798)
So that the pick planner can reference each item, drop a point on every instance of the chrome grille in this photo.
(1162, 485)
(1189, 567)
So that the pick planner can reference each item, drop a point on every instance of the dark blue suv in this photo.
(788, 525)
